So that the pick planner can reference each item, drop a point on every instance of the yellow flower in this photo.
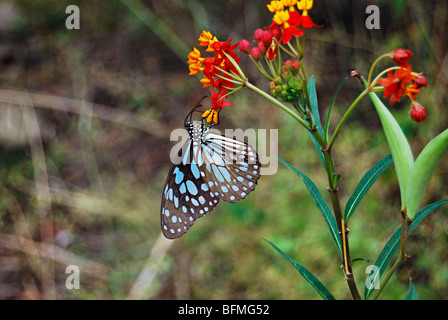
(290, 4)
(275, 6)
(305, 5)
(211, 115)
(206, 39)
(206, 82)
(195, 56)
(281, 17)
(194, 61)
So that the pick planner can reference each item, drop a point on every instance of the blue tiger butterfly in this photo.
(209, 167)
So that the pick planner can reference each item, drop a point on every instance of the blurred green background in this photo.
(85, 121)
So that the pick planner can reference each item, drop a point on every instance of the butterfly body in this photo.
(208, 168)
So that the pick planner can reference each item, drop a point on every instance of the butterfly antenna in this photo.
(198, 105)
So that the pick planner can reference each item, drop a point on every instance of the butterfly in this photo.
(208, 168)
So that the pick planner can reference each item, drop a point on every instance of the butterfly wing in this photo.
(186, 196)
(232, 167)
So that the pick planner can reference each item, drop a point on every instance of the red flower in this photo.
(418, 113)
(289, 22)
(216, 68)
(272, 52)
(219, 99)
(395, 84)
(401, 56)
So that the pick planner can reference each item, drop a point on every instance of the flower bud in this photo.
(275, 31)
(258, 34)
(262, 47)
(418, 113)
(401, 56)
(244, 46)
(255, 53)
(266, 38)
(421, 82)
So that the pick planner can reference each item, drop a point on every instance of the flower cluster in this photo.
(404, 82)
(286, 23)
(289, 86)
(217, 70)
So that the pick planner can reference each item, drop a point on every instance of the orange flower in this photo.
(194, 61)
(211, 115)
(411, 91)
(395, 84)
(206, 39)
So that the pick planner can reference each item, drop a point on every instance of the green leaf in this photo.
(314, 105)
(423, 169)
(364, 185)
(317, 285)
(399, 146)
(315, 111)
(330, 109)
(319, 150)
(320, 203)
(391, 247)
(412, 292)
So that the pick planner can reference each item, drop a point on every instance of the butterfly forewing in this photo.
(186, 196)
(209, 167)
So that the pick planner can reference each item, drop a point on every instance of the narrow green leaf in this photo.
(320, 203)
(391, 247)
(399, 146)
(330, 109)
(412, 292)
(319, 150)
(423, 169)
(364, 185)
(314, 105)
(307, 275)
(315, 111)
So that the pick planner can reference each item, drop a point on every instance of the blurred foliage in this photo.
(92, 187)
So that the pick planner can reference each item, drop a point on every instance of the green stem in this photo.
(278, 103)
(286, 50)
(271, 67)
(405, 226)
(346, 115)
(337, 210)
(260, 67)
(331, 182)
(374, 64)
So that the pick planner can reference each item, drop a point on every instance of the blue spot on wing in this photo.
(182, 188)
(179, 175)
(192, 187)
(195, 169)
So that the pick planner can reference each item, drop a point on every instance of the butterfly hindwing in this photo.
(233, 167)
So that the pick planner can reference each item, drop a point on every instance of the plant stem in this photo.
(278, 103)
(346, 115)
(405, 226)
(260, 68)
(374, 64)
(343, 231)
